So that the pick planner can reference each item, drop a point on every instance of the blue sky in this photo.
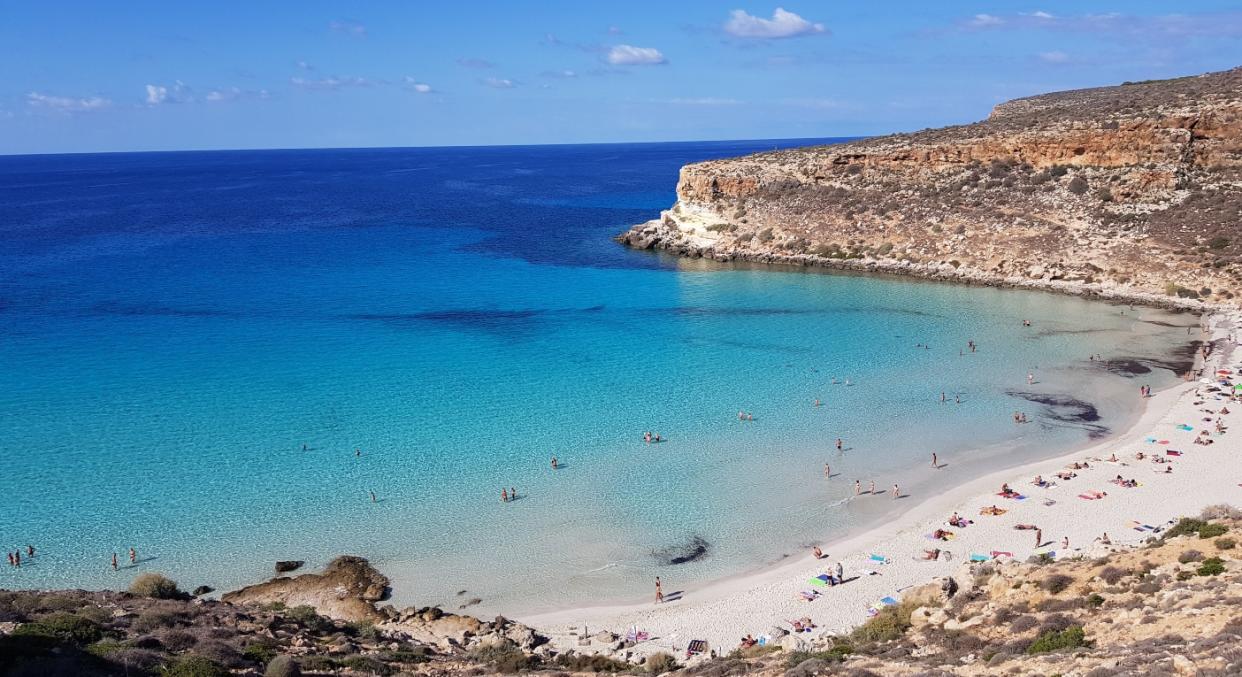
(98, 76)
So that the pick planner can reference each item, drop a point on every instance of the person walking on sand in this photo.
(1039, 537)
(827, 471)
(935, 461)
(857, 488)
(133, 555)
(896, 492)
(1065, 543)
(659, 591)
(114, 564)
(871, 489)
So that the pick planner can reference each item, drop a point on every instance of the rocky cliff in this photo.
(1132, 191)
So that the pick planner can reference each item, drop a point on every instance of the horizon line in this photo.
(842, 139)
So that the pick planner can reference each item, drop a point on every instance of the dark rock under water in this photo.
(1065, 410)
(692, 550)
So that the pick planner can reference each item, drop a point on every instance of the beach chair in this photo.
(696, 647)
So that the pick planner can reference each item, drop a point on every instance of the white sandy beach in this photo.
(725, 611)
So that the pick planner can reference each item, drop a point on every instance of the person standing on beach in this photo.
(840, 573)
(827, 471)
(1065, 543)
(857, 488)
(871, 489)
(1039, 537)
(896, 492)
(659, 591)
(935, 461)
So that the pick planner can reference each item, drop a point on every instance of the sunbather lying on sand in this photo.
(1066, 475)
(993, 510)
(1025, 527)
(931, 555)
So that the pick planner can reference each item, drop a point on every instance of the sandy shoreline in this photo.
(723, 611)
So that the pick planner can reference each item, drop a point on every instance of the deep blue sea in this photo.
(175, 327)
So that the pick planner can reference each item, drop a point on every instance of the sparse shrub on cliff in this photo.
(371, 666)
(1190, 556)
(194, 666)
(505, 657)
(1212, 530)
(1225, 543)
(1211, 567)
(766, 235)
(891, 623)
(1057, 171)
(261, 652)
(63, 626)
(592, 663)
(1077, 185)
(156, 586)
(1023, 623)
(660, 663)
(155, 618)
(1056, 583)
(283, 666)
(1069, 638)
(1218, 242)
(306, 616)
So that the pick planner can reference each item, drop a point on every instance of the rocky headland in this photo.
(1131, 192)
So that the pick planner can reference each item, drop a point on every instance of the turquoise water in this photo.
(175, 327)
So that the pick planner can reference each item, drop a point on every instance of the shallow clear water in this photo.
(175, 327)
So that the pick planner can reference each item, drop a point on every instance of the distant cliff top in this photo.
(1135, 189)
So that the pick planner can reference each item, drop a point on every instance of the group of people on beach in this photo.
(133, 559)
(15, 557)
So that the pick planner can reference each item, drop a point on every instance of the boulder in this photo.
(203, 590)
(284, 566)
(347, 590)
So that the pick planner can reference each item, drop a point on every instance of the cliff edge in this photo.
(1132, 191)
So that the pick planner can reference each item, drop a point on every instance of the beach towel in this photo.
(1163, 442)
(1172, 452)
(809, 595)
(976, 557)
(1150, 440)
(888, 601)
(1013, 495)
(1089, 497)
(821, 579)
(878, 558)
(1185, 427)
(1001, 553)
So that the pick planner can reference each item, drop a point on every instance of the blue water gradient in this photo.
(174, 328)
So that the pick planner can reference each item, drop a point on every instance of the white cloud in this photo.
(160, 94)
(783, 24)
(628, 55)
(66, 104)
(615, 30)
(1040, 14)
(329, 83)
(303, 65)
(564, 74)
(226, 94)
(1055, 56)
(414, 85)
(499, 83)
(985, 21)
(351, 28)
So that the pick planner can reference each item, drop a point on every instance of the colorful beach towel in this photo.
(976, 557)
(879, 558)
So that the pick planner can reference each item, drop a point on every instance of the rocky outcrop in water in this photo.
(1130, 191)
(347, 589)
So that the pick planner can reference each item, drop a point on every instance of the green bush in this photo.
(1185, 526)
(63, 626)
(259, 652)
(1056, 583)
(1226, 543)
(157, 586)
(1069, 638)
(574, 663)
(364, 630)
(194, 666)
(306, 616)
(891, 623)
(660, 663)
(283, 666)
(1212, 530)
(1211, 567)
(1095, 600)
(508, 659)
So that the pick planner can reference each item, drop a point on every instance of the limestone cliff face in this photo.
(1133, 190)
